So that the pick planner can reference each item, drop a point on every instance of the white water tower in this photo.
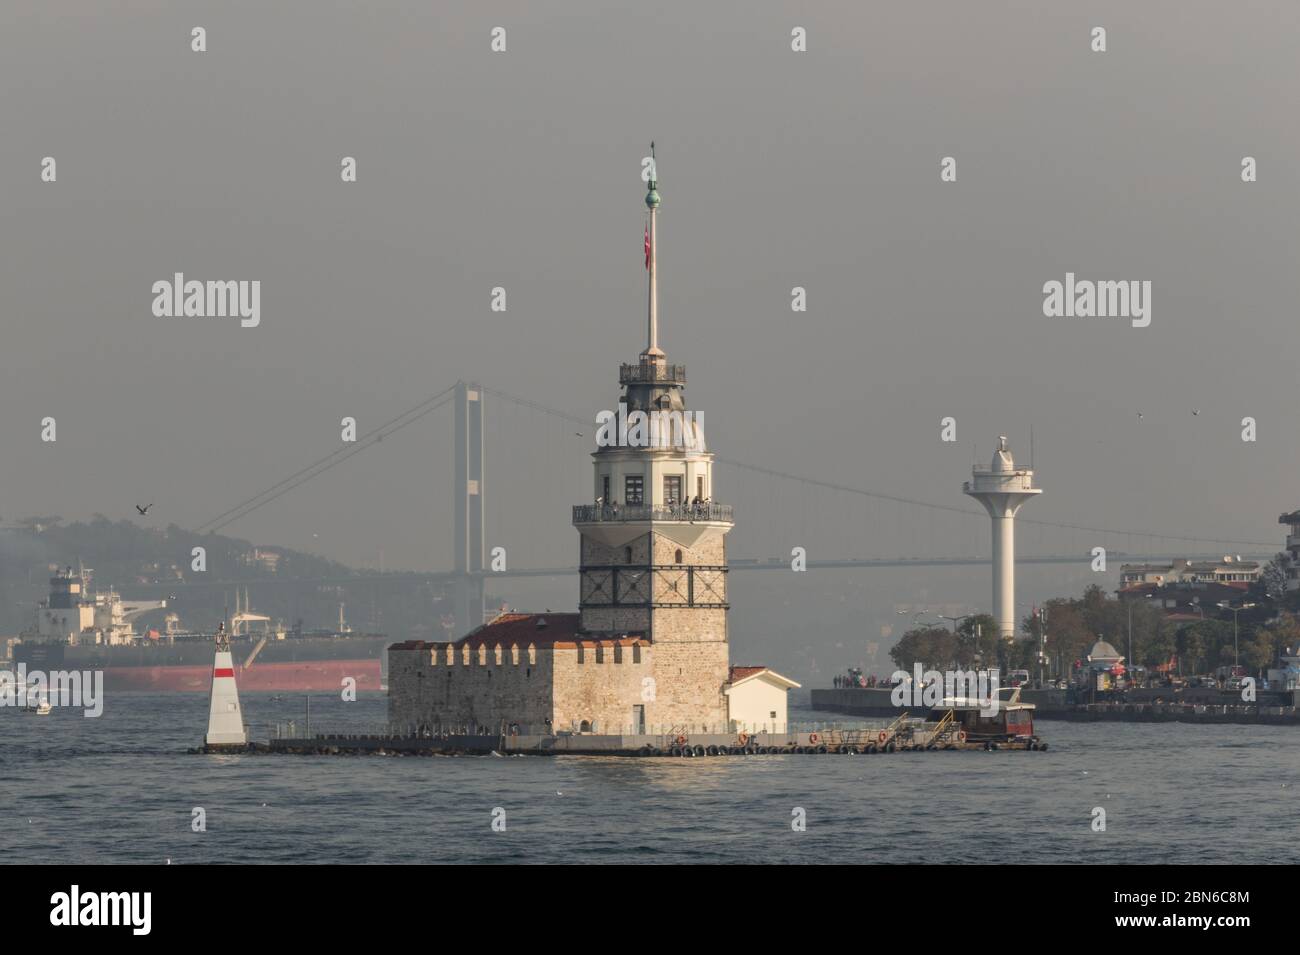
(1003, 489)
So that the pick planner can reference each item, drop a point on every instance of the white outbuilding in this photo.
(757, 699)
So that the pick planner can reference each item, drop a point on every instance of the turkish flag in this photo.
(647, 247)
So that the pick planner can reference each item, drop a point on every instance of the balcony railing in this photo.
(998, 481)
(651, 373)
(599, 513)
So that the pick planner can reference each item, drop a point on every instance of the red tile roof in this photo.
(743, 673)
(541, 629)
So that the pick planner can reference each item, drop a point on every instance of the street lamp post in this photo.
(955, 620)
(915, 614)
(1130, 632)
(1236, 657)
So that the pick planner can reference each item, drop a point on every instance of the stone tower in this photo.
(653, 556)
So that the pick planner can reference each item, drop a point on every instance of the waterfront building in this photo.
(1231, 571)
(1292, 521)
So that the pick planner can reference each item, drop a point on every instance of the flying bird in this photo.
(144, 510)
(1196, 411)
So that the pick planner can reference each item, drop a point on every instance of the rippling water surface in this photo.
(121, 788)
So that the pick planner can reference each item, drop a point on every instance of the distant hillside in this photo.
(146, 562)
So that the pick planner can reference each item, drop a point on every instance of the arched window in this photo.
(584, 726)
(627, 555)
(678, 555)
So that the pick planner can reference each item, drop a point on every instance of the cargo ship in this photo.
(77, 630)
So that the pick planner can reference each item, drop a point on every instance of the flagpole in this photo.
(652, 203)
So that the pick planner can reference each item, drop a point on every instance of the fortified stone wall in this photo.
(602, 685)
(444, 685)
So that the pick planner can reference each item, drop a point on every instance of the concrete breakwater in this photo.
(1207, 707)
(1180, 713)
(865, 740)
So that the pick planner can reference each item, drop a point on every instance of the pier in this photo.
(900, 735)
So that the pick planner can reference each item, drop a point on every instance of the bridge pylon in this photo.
(470, 534)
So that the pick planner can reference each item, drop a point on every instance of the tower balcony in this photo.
(639, 513)
(616, 525)
(1000, 482)
(649, 373)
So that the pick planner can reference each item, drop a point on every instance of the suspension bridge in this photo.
(541, 463)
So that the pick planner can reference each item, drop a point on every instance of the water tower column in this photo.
(1003, 489)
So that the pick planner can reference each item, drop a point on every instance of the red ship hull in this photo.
(313, 676)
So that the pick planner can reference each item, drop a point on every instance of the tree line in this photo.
(1073, 624)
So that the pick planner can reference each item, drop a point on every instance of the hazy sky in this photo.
(521, 170)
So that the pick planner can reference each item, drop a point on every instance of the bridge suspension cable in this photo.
(303, 475)
(432, 403)
(969, 512)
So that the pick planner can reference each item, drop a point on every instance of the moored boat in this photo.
(1003, 722)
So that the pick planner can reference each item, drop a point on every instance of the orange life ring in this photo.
(813, 738)
(883, 736)
(961, 736)
(744, 738)
(681, 741)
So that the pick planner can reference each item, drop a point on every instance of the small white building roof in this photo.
(739, 675)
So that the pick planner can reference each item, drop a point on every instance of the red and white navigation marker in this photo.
(225, 721)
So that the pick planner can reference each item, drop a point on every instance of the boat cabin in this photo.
(1012, 719)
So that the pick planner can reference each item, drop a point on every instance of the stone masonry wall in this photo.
(601, 686)
(709, 549)
(688, 685)
(486, 690)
